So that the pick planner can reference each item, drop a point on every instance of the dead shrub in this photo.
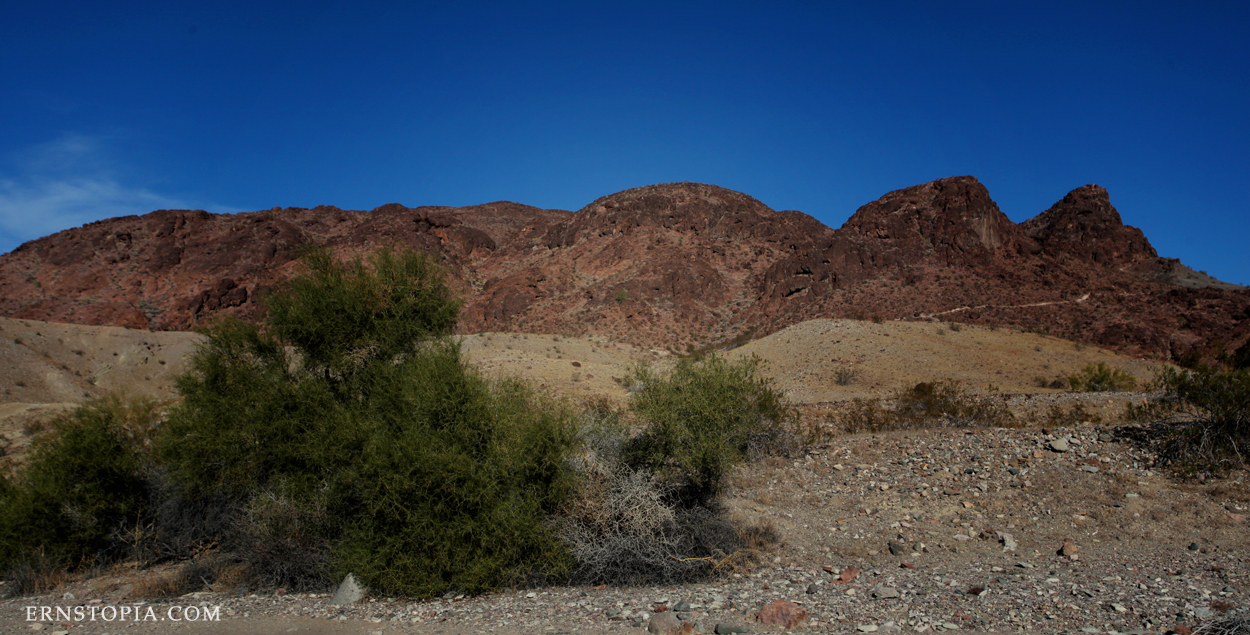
(186, 578)
(622, 531)
(624, 526)
(283, 539)
(33, 574)
(1237, 625)
(845, 376)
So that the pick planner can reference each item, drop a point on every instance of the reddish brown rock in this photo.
(782, 613)
(673, 265)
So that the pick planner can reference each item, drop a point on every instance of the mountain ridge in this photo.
(674, 265)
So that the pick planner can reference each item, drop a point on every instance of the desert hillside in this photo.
(53, 366)
(667, 266)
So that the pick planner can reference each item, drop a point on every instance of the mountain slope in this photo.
(675, 265)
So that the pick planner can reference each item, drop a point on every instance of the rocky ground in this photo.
(1034, 529)
(1069, 530)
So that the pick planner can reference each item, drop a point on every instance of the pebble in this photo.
(882, 592)
(1059, 445)
(1009, 542)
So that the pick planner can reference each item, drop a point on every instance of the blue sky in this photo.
(118, 108)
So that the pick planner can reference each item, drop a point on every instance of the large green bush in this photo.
(417, 474)
(82, 483)
(701, 418)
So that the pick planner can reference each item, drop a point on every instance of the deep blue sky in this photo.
(116, 108)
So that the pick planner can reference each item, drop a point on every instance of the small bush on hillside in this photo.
(83, 481)
(702, 418)
(350, 425)
(845, 376)
(945, 404)
(1058, 384)
(1059, 417)
(1241, 357)
(1101, 378)
(1208, 413)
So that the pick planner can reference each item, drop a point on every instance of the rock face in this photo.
(665, 266)
(1084, 226)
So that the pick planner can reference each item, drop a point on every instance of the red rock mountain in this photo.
(665, 266)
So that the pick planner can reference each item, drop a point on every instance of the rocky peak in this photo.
(951, 220)
(1085, 225)
(697, 208)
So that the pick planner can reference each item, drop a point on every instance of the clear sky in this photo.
(113, 108)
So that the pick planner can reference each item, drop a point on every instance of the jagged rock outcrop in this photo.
(1084, 225)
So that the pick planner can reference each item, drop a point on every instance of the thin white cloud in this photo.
(69, 182)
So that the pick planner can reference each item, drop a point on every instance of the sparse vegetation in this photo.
(1057, 384)
(1207, 413)
(634, 520)
(845, 376)
(703, 417)
(945, 404)
(1100, 377)
(1059, 417)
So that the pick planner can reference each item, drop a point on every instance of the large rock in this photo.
(666, 623)
(782, 613)
(350, 591)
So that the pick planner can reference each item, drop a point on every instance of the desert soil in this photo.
(978, 518)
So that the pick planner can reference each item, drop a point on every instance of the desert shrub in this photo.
(703, 417)
(1059, 417)
(285, 539)
(175, 524)
(624, 527)
(1058, 384)
(1241, 357)
(1101, 378)
(32, 573)
(1208, 417)
(945, 404)
(845, 376)
(353, 420)
(82, 482)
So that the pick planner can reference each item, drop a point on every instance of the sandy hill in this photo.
(50, 367)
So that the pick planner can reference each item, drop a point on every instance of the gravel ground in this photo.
(949, 530)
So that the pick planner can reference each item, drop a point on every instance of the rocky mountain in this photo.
(680, 265)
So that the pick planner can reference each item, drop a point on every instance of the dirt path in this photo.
(1005, 306)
